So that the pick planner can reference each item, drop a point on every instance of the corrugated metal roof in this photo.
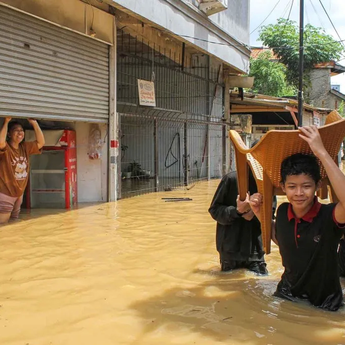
(264, 101)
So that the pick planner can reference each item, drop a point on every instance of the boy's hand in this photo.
(242, 206)
(312, 136)
(255, 202)
(8, 119)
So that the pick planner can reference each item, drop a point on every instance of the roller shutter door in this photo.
(47, 72)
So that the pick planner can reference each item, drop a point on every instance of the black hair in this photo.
(298, 164)
(12, 124)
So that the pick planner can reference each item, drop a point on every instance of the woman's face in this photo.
(16, 134)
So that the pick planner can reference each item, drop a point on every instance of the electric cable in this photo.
(317, 13)
(285, 9)
(288, 18)
(266, 17)
(332, 23)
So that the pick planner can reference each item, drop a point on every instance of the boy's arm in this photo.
(336, 177)
(3, 133)
(38, 132)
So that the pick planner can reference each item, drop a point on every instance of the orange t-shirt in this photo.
(14, 167)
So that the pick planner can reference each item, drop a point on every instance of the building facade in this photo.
(77, 64)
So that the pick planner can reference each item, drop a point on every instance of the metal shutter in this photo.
(47, 72)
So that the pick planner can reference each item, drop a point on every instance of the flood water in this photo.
(142, 271)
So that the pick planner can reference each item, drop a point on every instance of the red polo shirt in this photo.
(308, 247)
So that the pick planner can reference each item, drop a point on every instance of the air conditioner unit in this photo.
(210, 7)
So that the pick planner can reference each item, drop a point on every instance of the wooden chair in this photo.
(267, 155)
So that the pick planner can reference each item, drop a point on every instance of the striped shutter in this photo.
(47, 72)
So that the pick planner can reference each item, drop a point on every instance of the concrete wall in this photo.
(318, 93)
(215, 151)
(180, 18)
(234, 20)
(72, 14)
(92, 174)
(333, 102)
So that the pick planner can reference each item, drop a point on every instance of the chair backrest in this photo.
(276, 145)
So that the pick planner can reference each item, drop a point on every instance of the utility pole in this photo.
(301, 52)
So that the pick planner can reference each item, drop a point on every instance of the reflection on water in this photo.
(142, 271)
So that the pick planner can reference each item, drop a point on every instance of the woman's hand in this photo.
(32, 122)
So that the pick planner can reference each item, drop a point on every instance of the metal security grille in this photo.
(159, 154)
(47, 72)
(181, 140)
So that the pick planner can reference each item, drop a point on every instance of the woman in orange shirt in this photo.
(14, 165)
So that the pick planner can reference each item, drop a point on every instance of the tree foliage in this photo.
(283, 39)
(270, 76)
(341, 109)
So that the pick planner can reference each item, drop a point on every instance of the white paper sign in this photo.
(146, 93)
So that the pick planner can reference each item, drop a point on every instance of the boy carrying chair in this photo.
(307, 232)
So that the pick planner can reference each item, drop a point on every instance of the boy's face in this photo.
(300, 191)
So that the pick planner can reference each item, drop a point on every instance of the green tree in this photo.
(270, 76)
(341, 109)
(283, 39)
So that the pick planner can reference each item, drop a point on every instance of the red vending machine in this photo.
(53, 174)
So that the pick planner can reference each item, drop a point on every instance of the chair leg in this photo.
(266, 189)
(242, 175)
(332, 196)
(322, 193)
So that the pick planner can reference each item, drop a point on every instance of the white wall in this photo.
(181, 19)
(234, 20)
(92, 174)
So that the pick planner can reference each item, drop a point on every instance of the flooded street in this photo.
(142, 271)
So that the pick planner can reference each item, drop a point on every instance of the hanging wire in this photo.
(317, 13)
(266, 17)
(341, 41)
(286, 9)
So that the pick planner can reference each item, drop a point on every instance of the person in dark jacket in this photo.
(238, 231)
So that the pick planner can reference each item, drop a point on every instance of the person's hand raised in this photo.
(312, 136)
(32, 122)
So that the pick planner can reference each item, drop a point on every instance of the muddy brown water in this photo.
(142, 271)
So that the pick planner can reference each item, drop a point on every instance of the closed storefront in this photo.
(51, 73)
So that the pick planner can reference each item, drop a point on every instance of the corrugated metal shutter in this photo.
(47, 72)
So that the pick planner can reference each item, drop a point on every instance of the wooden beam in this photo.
(252, 109)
